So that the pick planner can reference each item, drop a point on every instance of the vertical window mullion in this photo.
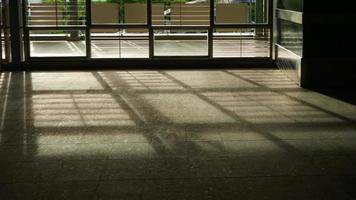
(26, 31)
(87, 28)
(211, 28)
(150, 29)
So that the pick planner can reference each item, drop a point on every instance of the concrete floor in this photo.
(234, 134)
(139, 48)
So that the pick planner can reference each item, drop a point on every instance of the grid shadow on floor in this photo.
(215, 134)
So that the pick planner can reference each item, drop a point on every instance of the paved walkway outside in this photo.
(139, 48)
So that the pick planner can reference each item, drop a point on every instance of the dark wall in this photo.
(329, 55)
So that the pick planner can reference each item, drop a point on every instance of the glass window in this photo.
(118, 12)
(56, 12)
(290, 36)
(241, 43)
(241, 11)
(119, 43)
(181, 43)
(181, 13)
(110, 40)
(5, 37)
(295, 5)
(57, 43)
